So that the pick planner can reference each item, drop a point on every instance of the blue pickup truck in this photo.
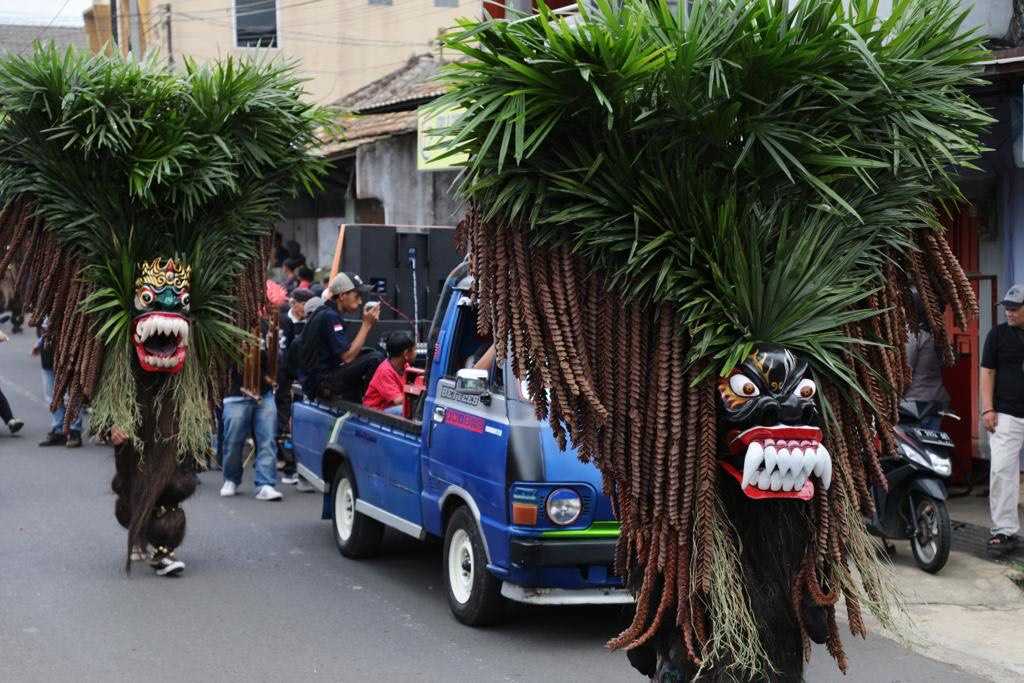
(521, 520)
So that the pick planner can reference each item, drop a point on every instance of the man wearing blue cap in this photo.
(1002, 404)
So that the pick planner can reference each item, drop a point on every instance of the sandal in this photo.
(1000, 544)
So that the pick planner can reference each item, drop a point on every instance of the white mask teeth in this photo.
(823, 466)
(764, 480)
(771, 457)
(751, 462)
(776, 481)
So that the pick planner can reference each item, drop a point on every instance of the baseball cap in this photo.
(1014, 297)
(311, 305)
(346, 282)
(301, 295)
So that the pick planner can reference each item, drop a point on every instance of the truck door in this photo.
(467, 437)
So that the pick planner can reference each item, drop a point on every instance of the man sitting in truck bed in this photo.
(337, 364)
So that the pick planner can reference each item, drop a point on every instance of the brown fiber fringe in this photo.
(620, 390)
(49, 283)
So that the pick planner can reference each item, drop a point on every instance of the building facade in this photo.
(339, 45)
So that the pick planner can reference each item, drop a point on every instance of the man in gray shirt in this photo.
(926, 381)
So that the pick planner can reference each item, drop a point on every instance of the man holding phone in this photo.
(1002, 403)
(339, 365)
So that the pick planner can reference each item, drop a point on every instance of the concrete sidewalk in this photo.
(971, 614)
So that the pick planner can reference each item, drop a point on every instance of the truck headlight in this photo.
(563, 506)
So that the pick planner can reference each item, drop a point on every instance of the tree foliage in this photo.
(748, 161)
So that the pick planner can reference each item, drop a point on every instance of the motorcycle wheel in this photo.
(933, 538)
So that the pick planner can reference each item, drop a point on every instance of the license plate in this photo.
(935, 437)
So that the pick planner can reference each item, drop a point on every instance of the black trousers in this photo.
(283, 401)
(5, 409)
(349, 381)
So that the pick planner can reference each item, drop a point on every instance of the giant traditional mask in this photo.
(160, 328)
(770, 424)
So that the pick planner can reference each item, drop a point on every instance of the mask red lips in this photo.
(778, 462)
(161, 341)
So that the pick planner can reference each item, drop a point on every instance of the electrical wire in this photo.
(52, 19)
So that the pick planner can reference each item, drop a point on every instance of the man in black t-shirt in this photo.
(1002, 405)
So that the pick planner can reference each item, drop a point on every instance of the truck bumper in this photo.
(563, 596)
(540, 552)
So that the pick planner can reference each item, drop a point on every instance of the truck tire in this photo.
(474, 594)
(356, 535)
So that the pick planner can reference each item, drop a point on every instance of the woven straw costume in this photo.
(137, 204)
(694, 232)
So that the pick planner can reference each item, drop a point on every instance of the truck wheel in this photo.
(356, 534)
(932, 541)
(474, 594)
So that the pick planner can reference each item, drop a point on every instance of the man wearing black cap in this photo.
(1002, 406)
(293, 319)
(337, 365)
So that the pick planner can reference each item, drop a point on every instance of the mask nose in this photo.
(792, 412)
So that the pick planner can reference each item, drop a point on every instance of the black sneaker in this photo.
(54, 439)
(74, 439)
(15, 425)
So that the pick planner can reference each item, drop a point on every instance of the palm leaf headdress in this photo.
(655, 192)
(108, 163)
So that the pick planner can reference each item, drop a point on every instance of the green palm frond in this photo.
(748, 161)
(127, 160)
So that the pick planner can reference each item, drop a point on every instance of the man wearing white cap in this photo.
(337, 364)
(1002, 404)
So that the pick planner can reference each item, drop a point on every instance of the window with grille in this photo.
(256, 23)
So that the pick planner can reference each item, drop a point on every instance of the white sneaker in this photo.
(303, 486)
(268, 493)
(228, 489)
(290, 479)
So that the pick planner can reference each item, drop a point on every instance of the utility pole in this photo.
(167, 29)
(113, 23)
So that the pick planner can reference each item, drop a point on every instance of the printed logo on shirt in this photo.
(338, 327)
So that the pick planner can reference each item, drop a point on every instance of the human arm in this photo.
(370, 317)
(988, 382)
(988, 412)
(486, 360)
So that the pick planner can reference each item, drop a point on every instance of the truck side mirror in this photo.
(473, 382)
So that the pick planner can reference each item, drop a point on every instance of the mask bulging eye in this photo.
(185, 299)
(146, 297)
(806, 389)
(742, 385)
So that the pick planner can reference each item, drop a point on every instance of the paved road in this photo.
(266, 595)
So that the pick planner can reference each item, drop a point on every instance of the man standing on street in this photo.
(1002, 403)
(245, 414)
(292, 322)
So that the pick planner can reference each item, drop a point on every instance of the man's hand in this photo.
(991, 419)
(118, 436)
(36, 350)
(3, 337)
(371, 315)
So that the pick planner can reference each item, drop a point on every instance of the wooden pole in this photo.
(339, 248)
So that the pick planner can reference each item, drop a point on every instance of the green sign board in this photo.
(428, 141)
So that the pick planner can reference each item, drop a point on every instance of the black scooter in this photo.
(914, 507)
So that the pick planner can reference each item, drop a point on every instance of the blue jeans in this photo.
(57, 416)
(395, 410)
(242, 417)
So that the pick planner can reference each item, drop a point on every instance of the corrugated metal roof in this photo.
(411, 84)
(361, 130)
